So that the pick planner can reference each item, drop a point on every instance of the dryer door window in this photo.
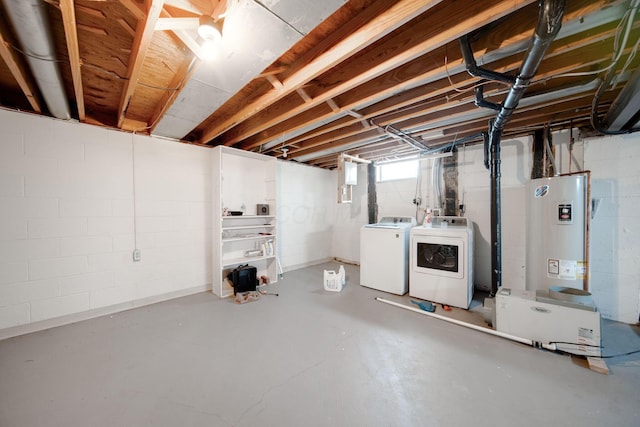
(438, 256)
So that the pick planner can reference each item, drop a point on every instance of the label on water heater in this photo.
(566, 269)
(541, 191)
(565, 213)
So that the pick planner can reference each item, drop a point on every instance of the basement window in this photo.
(404, 169)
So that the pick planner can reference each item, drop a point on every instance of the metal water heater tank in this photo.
(556, 232)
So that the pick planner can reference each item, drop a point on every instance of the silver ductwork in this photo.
(29, 19)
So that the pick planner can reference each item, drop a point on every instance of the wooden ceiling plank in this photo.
(124, 24)
(88, 10)
(451, 28)
(186, 38)
(304, 95)
(273, 80)
(92, 29)
(198, 8)
(144, 32)
(165, 24)
(71, 36)
(219, 9)
(134, 9)
(332, 104)
(9, 57)
(393, 17)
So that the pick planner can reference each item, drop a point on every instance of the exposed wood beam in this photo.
(71, 36)
(273, 80)
(473, 15)
(377, 94)
(332, 104)
(195, 7)
(88, 10)
(375, 28)
(12, 63)
(304, 95)
(186, 38)
(144, 33)
(124, 24)
(164, 24)
(134, 9)
(94, 30)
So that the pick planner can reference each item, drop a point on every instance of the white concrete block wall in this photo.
(306, 214)
(474, 183)
(350, 217)
(67, 219)
(615, 230)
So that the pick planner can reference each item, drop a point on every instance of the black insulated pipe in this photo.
(549, 23)
(472, 66)
(480, 102)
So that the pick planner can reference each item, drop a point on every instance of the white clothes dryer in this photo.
(441, 265)
(384, 254)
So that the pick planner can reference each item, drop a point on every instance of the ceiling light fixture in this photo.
(211, 33)
(209, 29)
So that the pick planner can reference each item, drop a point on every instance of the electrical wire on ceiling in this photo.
(607, 80)
(469, 88)
(104, 70)
(626, 24)
(30, 55)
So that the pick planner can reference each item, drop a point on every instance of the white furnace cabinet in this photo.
(243, 182)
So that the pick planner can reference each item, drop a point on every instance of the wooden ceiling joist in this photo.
(71, 35)
(449, 28)
(381, 88)
(374, 29)
(133, 8)
(144, 32)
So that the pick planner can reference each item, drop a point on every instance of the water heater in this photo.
(556, 232)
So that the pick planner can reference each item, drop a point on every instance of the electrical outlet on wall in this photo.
(136, 255)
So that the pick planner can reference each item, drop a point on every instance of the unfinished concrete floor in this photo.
(305, 358)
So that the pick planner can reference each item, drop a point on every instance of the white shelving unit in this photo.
(245, 179)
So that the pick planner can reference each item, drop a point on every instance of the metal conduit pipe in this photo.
(29, 19)
(549, 23)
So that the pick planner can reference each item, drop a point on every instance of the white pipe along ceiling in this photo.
(32, 27)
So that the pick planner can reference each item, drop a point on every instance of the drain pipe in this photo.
(527, 341)
(549, 23)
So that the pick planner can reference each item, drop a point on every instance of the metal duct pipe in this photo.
(397, 133)
(29, 19)
(549, 23)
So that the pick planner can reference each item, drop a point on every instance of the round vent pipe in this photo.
(29, 19)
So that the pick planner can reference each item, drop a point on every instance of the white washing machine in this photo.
(441, 267)
(384, 254)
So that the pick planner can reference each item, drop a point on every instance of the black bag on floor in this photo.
(244, 278)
